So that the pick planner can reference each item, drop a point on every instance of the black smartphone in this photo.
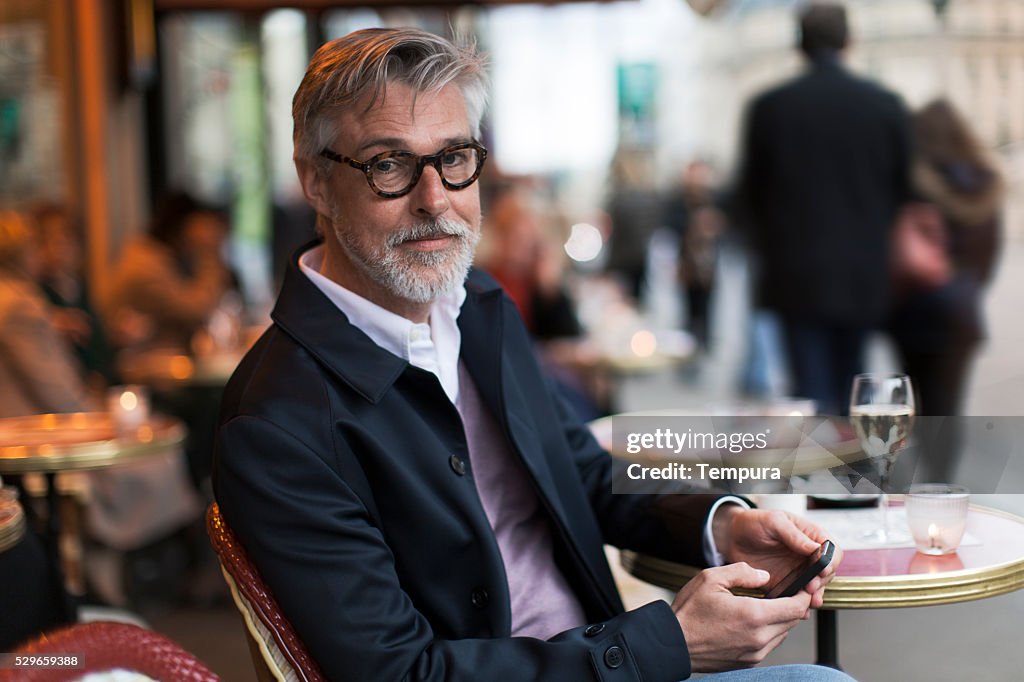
(798, 578)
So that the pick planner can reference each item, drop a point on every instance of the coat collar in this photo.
(305, 314)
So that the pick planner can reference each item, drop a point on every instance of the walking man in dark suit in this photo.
(825, 167)
(419, 500)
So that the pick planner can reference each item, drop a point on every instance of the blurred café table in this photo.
(619, 341)
(602, 361)
(167, 370)
(47, 445)
(988, 563)
(208, 365)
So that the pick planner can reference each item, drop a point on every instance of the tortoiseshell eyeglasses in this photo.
(393, 174)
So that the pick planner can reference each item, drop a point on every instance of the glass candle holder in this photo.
(937, 516)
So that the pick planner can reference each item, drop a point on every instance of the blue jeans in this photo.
(782, 673)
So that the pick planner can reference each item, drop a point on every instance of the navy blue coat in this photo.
(825, 168)
(334, 465)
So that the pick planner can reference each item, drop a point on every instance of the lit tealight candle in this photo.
(937, 516)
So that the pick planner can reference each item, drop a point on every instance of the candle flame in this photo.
(933, 531)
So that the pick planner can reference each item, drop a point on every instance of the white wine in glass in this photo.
(882, 413)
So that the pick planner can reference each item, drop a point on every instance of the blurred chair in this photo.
(105, 647)
(277, 652)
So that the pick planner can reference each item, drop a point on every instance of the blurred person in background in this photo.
(169, 282)
(38, 372)
(131, 505)
(172, 291)
(634, 210)
(825, 169)
(519, 252)
(62, 279)
(952, 229)
(693, 213)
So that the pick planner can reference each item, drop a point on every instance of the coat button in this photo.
(594, 630)
(614, 657)
(457, 465)
(479, 597)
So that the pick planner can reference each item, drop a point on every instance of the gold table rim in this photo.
(874, 592)
(18, 459)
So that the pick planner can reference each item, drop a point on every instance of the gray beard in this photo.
(402, 273)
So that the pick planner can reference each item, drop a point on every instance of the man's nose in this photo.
(430, 198)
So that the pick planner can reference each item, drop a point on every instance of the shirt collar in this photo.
(433, 346)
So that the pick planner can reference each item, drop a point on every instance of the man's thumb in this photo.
(741, 574)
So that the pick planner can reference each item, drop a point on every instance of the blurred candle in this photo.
(128, 406)
(643, 344)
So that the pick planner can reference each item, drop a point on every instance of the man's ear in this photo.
(314, 186)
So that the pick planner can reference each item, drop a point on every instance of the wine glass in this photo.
(882, 413)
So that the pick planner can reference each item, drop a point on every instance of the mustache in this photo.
(430, 229)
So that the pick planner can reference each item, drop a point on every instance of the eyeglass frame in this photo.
(421, 163)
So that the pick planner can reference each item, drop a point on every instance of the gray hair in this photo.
(361, 64)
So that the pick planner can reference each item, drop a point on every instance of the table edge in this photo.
(872, 592)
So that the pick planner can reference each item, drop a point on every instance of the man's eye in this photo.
(454, 159)
(386, 166)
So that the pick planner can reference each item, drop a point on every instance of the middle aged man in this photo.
(421, 504)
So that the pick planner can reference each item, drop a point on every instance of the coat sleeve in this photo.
(332, 571)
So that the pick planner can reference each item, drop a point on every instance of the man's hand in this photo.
(726, 632)
(775, 541)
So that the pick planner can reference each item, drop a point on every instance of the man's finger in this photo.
(818, 598)
(739, 574)
(787, 529)
(785, 611)
(809, 529)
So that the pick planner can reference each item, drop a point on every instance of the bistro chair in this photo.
(102, 647)
(277, 652)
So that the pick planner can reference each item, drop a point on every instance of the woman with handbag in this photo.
(944, 252)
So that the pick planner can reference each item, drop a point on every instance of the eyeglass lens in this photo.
(396, 171)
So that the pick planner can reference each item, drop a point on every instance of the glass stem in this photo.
(883, 499)
(883, 502)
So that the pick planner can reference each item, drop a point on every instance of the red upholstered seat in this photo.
(105, 646)
(277, 651)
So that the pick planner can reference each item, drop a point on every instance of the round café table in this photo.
(895, 577)
(50, 444)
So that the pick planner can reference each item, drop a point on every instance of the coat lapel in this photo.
(481, 324)
(309, 317)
